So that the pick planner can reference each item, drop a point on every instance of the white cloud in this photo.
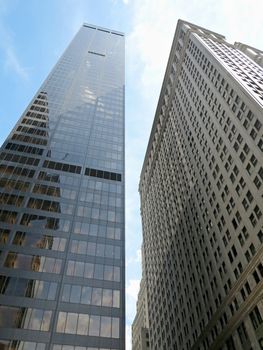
(149, 42)
(154, 23)
(132, 289)
(135, 259)
(79, 16)
(13, 63)
(11, 60)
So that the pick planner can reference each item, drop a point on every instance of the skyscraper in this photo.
(140, 326)
(201, 197)
(62, 205)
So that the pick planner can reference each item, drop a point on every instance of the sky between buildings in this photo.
(34, 33)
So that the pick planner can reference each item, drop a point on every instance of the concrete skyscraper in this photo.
(140, 326)
(62, 205)
(201, 197)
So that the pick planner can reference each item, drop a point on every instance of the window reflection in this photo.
(115, 327)
(79, 269)
(98, 273)
(84, 324)
(21, 345)
(33, 262)
(94, 325)
(95, 249)
(116, 298)
(105, 327)
(66, 292)
(75, 294)
(108, 273)
(107, 297)
(86, 295)
(26, 318)
(71, 347)
(61, 322)
(89, 270)
(71, 323)
(40, 241)
(117, 273)
(23, 287)
(111, 231)
(96, 296)
(4, 234)
(8, 317)
(89, 295)
(35, 319)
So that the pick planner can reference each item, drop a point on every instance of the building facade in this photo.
(140, 326)
(201, 197)
(62, 205)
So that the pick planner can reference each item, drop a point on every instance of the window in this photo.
(256, 277)
(84, 324)
(258, 212)
(260, 236)
(242, 332)
(230, 344)
(14, 317)
(255, 318)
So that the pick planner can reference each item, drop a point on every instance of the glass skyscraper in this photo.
(62, 205)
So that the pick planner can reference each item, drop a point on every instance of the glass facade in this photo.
(62, 205)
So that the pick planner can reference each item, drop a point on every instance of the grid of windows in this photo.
(84, 324)
(62, 206)
(200, 200)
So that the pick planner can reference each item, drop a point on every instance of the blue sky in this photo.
(33, 34)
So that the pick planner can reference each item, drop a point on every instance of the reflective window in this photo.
(86, 295)
(27, 318)
(70, 347)
(107, 297)
(86, 136)
(32, 262)
(61, 322)
(96, 296)
(84, 324)
(91, 296)
(105, 326)
(4, 234)
(94, 325)
(75, 294)
(27, 288)
(97, 271)
(71, 323)
(29, 239)
(21, 345)
(95, 249)
(115, 327)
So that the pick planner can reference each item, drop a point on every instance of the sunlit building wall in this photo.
(140, 325)
(201, 197)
